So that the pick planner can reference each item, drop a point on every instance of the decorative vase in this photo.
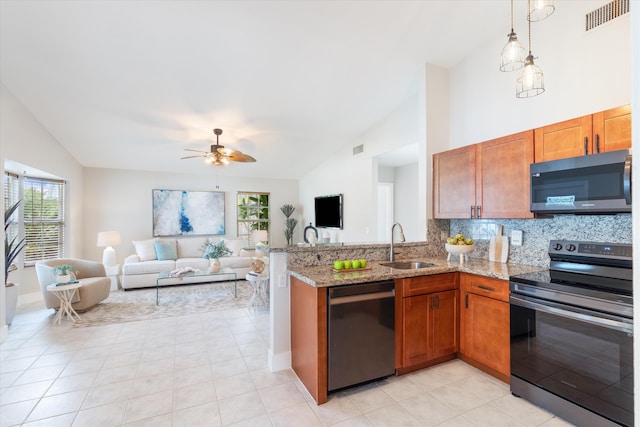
(11, 301)
(257, 265)
(215, 265)
(63, 278)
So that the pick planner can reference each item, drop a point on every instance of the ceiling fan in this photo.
(219, 155)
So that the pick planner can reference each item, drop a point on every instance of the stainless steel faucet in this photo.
(401, 236)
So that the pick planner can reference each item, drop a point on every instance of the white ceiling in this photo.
(130, 84)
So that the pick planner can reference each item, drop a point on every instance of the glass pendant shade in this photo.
(530, 82)
(540, 9)
(512, 57)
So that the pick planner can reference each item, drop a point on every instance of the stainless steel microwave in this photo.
(593, 184)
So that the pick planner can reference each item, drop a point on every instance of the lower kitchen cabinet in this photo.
(427, 327)
(484, 324)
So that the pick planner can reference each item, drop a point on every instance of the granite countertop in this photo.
(324, 276)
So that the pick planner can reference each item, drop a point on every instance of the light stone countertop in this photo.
(324, 276)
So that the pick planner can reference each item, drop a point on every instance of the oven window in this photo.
(589, 365)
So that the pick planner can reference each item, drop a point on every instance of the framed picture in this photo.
(180, 213)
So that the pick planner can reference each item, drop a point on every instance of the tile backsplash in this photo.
(538, 232)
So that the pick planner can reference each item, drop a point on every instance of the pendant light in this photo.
(530, 82)
(540, 9)
(512, 57)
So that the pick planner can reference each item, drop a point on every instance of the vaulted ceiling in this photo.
(131, 84)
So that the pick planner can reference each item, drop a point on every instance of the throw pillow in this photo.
(166, 249)
(235, 245)
(145, 249)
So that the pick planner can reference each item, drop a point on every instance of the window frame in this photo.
(250, 217)
(42, 209)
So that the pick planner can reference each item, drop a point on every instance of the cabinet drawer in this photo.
(485, 286)
(412, 286)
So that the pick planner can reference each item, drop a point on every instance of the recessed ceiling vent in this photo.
(606, 13)
(358, 149)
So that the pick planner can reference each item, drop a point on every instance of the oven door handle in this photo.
(575, 314)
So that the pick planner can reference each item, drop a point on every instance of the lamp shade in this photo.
(259, 235)
(108, 238)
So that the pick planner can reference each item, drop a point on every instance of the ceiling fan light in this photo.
(540, 9)
(530, 82)
(512, 57)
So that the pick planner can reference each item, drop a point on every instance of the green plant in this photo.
(13, 247)
(216, 250)
(64, 269)
(289, 223)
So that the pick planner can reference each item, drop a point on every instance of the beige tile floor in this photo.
(211, 370)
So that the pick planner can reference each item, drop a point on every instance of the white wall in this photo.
(354, 175)
(26, 141)
(121, 200)
(584, 73)
(405, 201)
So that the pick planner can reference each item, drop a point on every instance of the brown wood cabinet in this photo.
(309, 337)
(486, 180)
(484, 324)
(607, 130)
(426, 321)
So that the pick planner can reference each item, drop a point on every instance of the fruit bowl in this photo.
(458, 250)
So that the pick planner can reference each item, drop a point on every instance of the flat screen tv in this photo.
(329, 211)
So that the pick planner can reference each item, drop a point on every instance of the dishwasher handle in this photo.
(362, 297)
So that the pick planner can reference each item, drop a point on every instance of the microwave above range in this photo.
(593, 184)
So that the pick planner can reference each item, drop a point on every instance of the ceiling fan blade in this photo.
(241, 157)
(191, 157)
(235, 156)
(197, 151)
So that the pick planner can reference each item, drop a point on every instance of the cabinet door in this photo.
(485, 332)
(612, 129)
(444, 324)
(415, 329)
(502, 185)
(454, 177)
(571, 138)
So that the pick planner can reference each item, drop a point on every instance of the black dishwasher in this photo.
(361, 330)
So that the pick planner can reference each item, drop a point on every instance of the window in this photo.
(42, 213)
(253, 214)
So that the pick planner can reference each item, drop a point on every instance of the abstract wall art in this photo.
(179, 212)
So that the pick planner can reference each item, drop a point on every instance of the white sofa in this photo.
(153, 256)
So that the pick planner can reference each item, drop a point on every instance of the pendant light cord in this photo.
(511, 16)
(529, 21)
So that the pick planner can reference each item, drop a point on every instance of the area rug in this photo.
(140, 304)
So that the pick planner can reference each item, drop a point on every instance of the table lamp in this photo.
(108, 239)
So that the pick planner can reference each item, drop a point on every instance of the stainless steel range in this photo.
(572, 334)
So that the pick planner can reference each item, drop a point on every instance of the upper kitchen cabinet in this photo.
(486, 180)
(596, 133)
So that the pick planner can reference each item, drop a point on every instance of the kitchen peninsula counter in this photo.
(325, 276)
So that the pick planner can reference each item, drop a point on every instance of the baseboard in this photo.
(29, 298)
(280, 361)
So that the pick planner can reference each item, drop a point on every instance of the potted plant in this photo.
(214, 251)
(12, 249)
(289, 223)
(63, 272)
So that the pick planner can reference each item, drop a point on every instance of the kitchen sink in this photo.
(407, 265)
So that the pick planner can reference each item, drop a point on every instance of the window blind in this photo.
(43, 219)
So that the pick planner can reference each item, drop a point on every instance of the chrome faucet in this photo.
(401, 236)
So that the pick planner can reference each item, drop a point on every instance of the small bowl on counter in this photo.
(461, 250)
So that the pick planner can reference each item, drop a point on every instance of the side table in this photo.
(65, 294)
(259, 282)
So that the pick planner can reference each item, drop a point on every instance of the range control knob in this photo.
(571, 247)
(557, 246)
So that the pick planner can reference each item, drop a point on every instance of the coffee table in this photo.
(165, 277)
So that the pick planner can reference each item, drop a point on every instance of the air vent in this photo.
(358, 149)
(606, 13)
